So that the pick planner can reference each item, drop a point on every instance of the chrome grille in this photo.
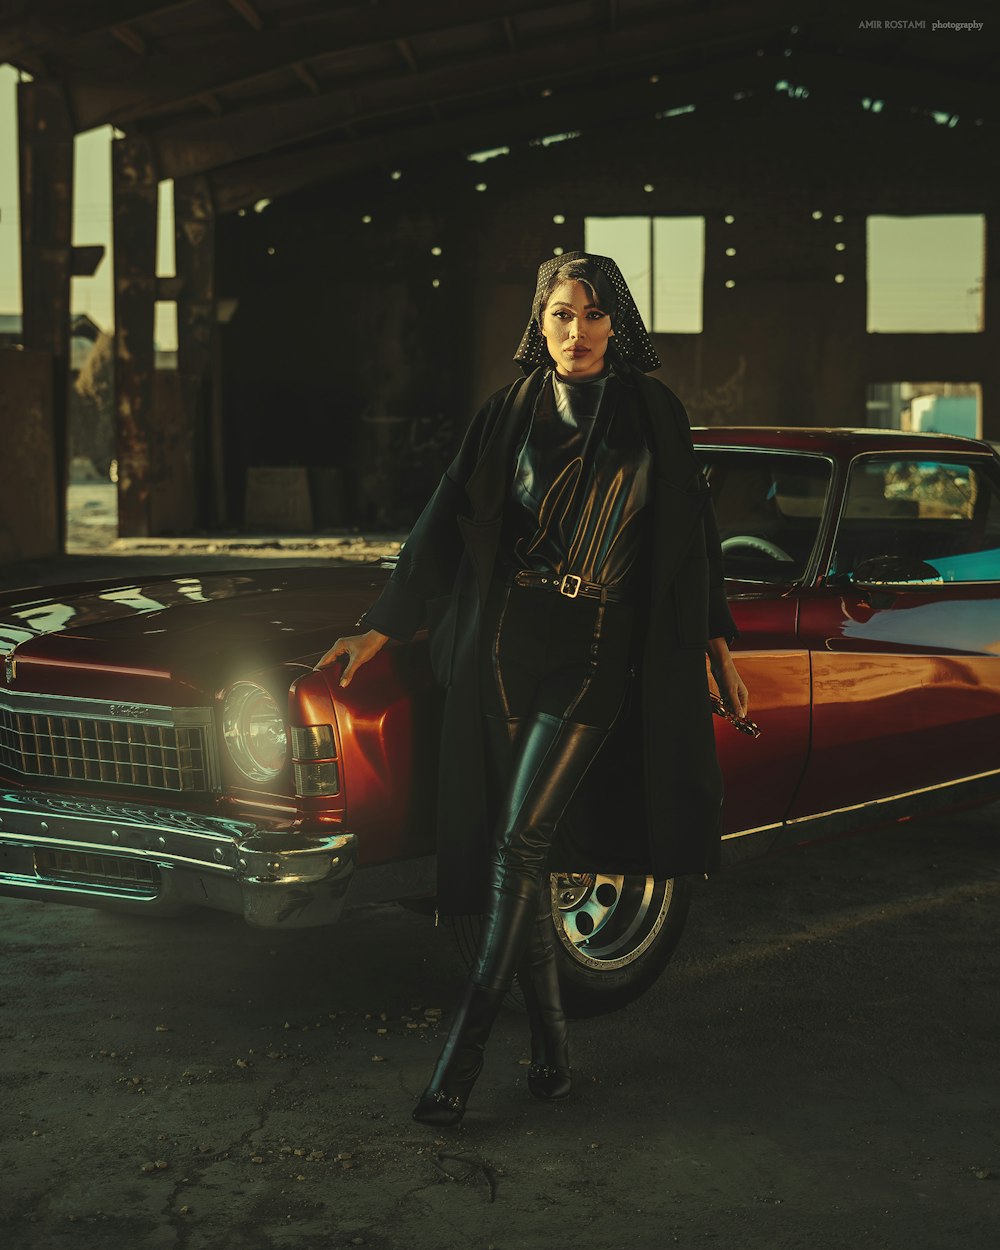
(76, 867)
(149, 747)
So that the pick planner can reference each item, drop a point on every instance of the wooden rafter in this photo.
(178, 79)
(281, 172)
(131, 38)
(248, 12)
(196, 146)
(406, 51)
(71, 19)
(305, 76)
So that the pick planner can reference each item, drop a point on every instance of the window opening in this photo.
(942, 292)
(928, 407)
(663, 261)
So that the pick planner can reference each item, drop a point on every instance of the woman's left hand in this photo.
(734, 693)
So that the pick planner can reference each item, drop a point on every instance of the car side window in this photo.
(769, 507)
(935, 517)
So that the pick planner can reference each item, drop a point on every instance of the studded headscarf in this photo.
(630, 342)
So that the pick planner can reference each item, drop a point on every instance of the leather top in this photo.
(581, 480)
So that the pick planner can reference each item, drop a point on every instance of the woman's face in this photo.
(576, 331)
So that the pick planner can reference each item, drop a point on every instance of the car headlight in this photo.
(255, 732)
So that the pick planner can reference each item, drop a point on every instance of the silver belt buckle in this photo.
(564, 585)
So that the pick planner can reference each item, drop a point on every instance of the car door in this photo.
(769, 504)
(904, 632)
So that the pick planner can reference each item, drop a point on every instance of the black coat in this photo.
(651, 802)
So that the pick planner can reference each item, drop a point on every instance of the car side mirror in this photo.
(894, 571)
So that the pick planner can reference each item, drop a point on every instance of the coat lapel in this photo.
(681, 491)
(487, 486)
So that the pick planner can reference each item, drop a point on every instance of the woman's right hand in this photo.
(359, 649)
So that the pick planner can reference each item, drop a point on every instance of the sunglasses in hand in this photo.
(743, 723)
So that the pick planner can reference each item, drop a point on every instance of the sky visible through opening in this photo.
(924, 273)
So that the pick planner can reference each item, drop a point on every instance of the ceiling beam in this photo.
(305, 76)
(241, 184)
(58, 21)
(249, 14)
(406, 51)
(711, 90)
(131, 39)
(200, 145)
(238, 58)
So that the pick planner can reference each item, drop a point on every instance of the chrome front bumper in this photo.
(134, 858)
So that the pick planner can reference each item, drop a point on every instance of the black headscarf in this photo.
(630, 343)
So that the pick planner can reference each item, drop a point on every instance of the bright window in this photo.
(663, 261)
(925, 274)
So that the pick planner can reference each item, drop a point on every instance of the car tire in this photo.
(613, 935)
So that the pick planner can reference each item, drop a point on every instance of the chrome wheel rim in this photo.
(605, 921)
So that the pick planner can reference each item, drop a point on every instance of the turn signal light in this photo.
(314, 760)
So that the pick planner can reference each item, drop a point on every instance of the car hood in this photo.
(176, 640)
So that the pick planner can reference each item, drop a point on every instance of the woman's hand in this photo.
(359, 649)
(734, 693)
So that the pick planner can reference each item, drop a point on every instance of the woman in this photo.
(570, 545)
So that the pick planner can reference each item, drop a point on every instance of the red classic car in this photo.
(166, 743)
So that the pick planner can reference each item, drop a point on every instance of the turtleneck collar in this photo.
(577, 400)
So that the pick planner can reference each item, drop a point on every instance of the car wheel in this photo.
(614, 935)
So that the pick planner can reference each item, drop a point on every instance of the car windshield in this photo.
(769, 506)
(920, 519)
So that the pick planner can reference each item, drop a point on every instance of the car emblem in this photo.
(9, 668)
(126, 709)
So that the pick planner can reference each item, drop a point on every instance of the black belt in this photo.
(569, 585)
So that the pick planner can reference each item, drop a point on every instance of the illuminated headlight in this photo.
(255, 732)
(314, 760)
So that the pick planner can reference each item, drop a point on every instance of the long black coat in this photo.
(651, 802)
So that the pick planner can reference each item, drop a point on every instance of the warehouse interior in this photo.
(362, 193)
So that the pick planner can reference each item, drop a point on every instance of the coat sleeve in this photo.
(429, 559)
(720, 619)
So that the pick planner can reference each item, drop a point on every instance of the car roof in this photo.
(836, 440)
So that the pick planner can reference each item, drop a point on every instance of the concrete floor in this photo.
(817, 1068)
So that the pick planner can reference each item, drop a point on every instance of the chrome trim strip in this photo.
(89, 709)
(744, 833)
(892, 798)
(156, 857)
(95, 889)
(150, 820)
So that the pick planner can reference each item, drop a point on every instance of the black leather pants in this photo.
(555, 679)
(550, 759)
(554, 682)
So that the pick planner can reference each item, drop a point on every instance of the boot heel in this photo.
(461, 1060)
(549, 1084)
(443, 1107)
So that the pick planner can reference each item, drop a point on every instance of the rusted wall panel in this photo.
(29, 507)
(134, 205)
(45, 159)
(172, 502)
(194, 240)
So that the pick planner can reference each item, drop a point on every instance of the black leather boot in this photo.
(506, 927)
(551, 758)
(549, 1076)
(461, 1060)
